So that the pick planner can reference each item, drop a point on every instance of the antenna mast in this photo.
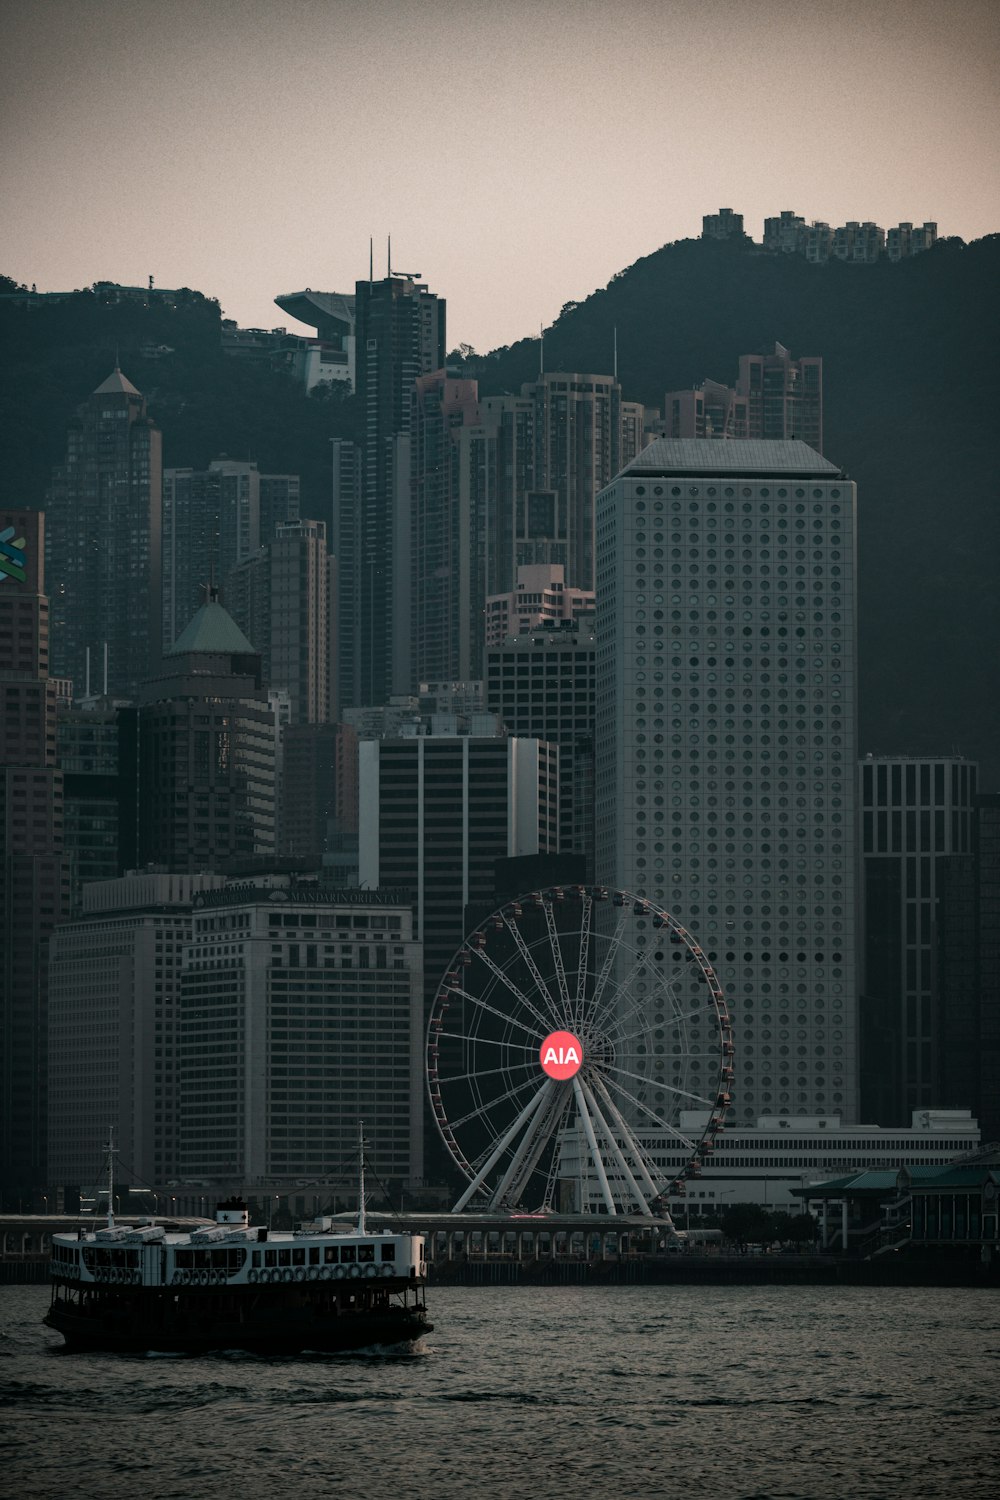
(361, 1178)
(111, 1176)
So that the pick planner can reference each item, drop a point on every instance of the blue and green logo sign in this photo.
(11, 556)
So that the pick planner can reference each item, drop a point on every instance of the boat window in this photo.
(389, 1251)
(366, 1252)
(330, 1254)
(348, 1253)
(270, 1257)
(299, 1256)
(284, 1257)
(314, 1255)
(256, 1257)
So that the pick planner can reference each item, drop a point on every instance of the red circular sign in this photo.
(561, 1055)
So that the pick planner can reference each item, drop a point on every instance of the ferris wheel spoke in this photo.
(657, 1119)
(641, 1004)
(619, 1021)
(487, 1073)
(583, 962)
(526, 954)
(656, 1083)
(493, 1103)
(481, 1004)
(471, 1039)
(518, 994)
(557, 958)
(614, 943)
(510, 1134)
(641, 965)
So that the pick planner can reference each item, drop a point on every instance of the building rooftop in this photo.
(747, 458)
(116, 385)
(212, 629)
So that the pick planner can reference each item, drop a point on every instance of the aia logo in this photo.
(561, 1055)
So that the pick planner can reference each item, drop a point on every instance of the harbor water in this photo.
(733, 1392)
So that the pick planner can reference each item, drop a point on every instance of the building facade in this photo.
(34, 871)
(300, 1015)
(541, 597)
(114, 1029)
(103, 534)
(915, 813)
(541, 685)
(202, 742)
(725, 734)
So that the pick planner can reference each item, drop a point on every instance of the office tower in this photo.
(722, 225)
(967, 988)
(578, 432)
(300, 1016)
(87, 751)
(436, 812)
(915, 813)
(445, 544)
(34, 872)
(784, 396)
(725, 732)
(344, 544)
(103, 526)
(281, 600)
(400, 335)
(202, 740)
(541, 684)
(213, 520)
(709, 410)
(541, 597)
(310, 794)
(114, 1023)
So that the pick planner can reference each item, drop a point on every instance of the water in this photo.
(781, 1393)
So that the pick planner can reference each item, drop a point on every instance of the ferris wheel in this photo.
(573, 1028)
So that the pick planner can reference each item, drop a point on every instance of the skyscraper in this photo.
(282, 599)
(34, 872)
(202, 741)
(775, 396)
(400, 335)
(725, 734)
(445, 549)
(103, 529)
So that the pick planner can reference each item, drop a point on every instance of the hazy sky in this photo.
(518, 153)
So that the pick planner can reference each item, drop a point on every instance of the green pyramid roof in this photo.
(212, 629)
(116, 384)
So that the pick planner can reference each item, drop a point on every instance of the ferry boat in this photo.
(328, 1286)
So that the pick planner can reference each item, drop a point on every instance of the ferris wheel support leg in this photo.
(526, 1156)
(617, 1153)
(626, 1131)
(531, 1108)
(588, 1126)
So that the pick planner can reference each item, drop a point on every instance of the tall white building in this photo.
(725, 741)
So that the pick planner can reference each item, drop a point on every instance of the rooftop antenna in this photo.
(541, 350)
(388, 255)
(371, 260)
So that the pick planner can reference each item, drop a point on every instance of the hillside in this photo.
(911, 400)
(911, 396)
(206, 402)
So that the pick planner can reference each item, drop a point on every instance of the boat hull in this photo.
(274, 1321)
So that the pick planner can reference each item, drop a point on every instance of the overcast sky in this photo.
(518, 153)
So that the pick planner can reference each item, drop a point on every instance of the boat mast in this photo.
(361, 1178)
(111, 1176)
